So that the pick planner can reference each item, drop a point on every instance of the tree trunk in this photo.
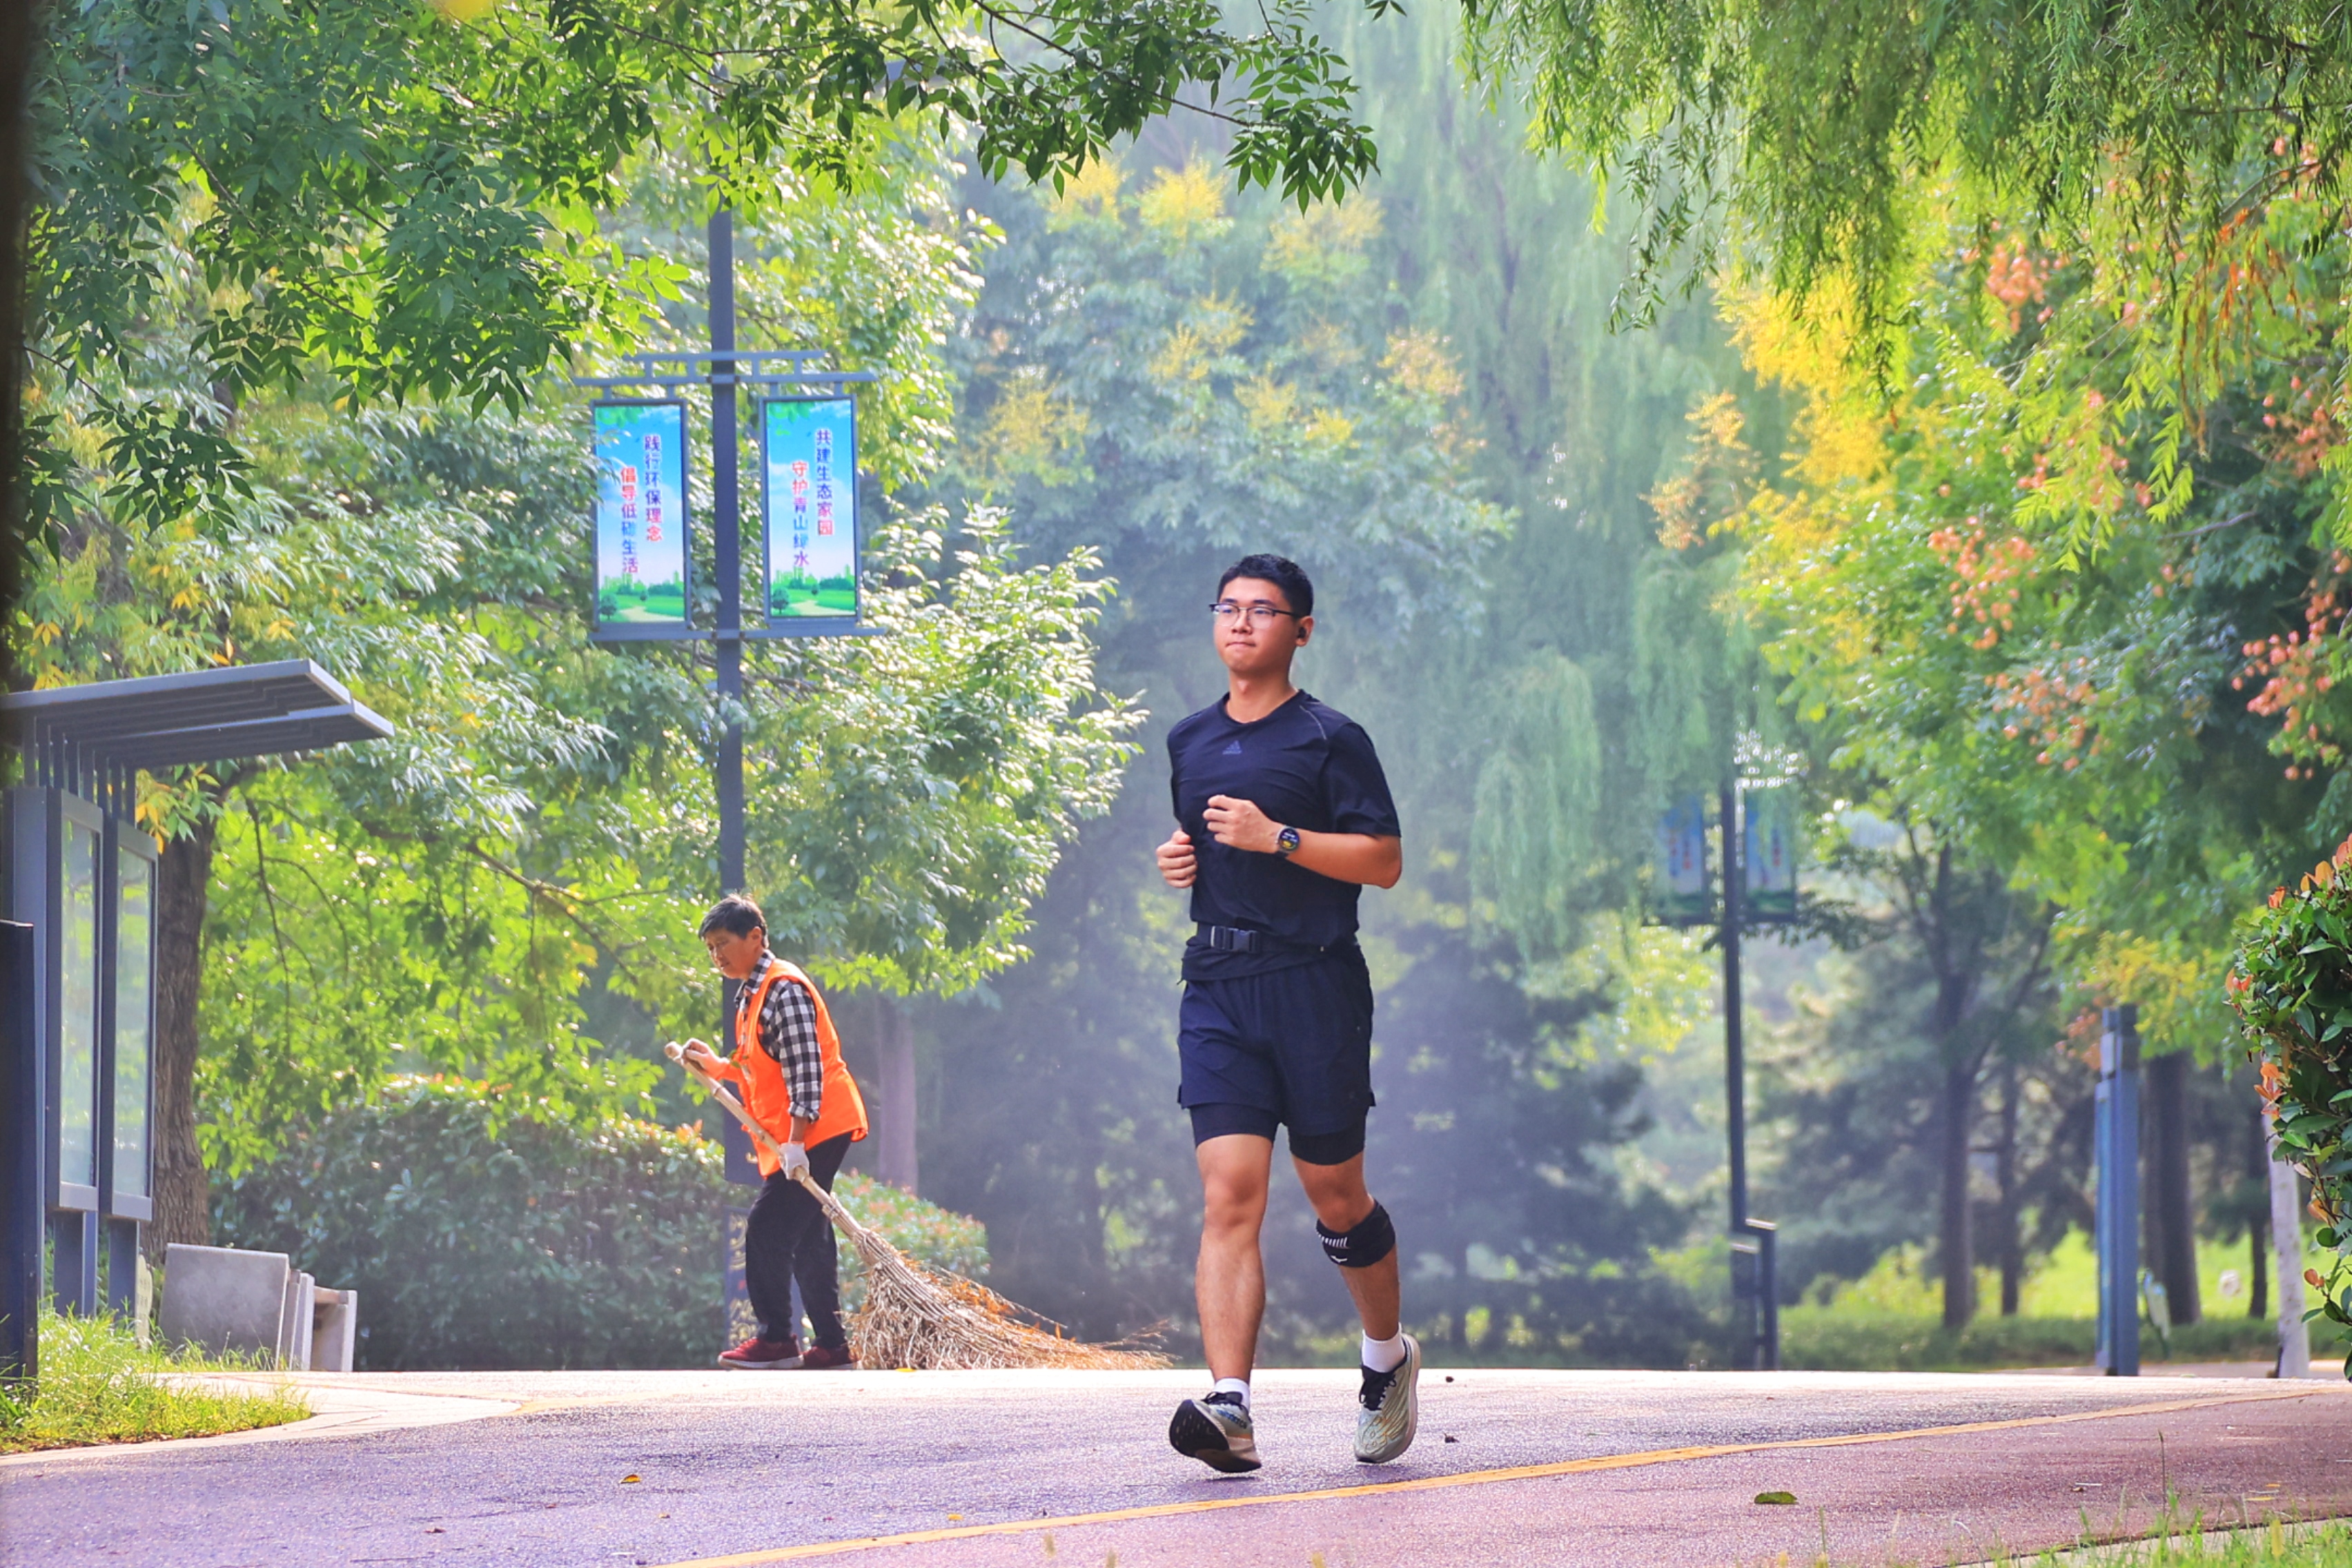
(1954, 1241)
(2012, 1246)
(894, 1050)
(183, 1200)
(2170, 1205)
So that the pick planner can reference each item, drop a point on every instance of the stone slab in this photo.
(226, 1301)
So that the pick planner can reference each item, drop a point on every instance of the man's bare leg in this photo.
(1230, 1281)
(1341, 1201)
(1390, 1411)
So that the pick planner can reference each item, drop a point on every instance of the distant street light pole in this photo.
(1755, 1279)
(727, 547)
(725, 371)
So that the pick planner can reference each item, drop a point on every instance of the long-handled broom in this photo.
(915, 1317)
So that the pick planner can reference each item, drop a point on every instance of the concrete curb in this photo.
(338, 1410)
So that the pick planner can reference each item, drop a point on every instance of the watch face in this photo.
(1288, 839)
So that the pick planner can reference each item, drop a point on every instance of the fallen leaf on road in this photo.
(954, 1517)
(626, 1480)
(1776, 1496)
(1452, 1438)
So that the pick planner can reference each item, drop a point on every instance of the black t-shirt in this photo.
(1306, 766)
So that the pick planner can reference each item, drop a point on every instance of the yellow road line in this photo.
(1463, 1478)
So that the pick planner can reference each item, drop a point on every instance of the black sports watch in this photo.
(1286, 842)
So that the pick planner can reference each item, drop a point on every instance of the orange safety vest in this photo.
(766, 1095)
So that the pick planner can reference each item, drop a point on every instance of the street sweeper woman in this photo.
(1283, 815)
(787, 1065)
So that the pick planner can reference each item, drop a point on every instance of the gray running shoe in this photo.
(1217, 1432)
(1391, 1409)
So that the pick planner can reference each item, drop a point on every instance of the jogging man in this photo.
(1282, 815)
(788, 1063)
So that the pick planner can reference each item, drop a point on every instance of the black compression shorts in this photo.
(1218, 1121)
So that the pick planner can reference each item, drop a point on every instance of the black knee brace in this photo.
(1373, 1238)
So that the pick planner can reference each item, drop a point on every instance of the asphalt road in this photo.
(893, 1468)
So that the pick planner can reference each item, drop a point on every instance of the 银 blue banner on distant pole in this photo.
(1769, 852)
(1682, 895)
(641, 533)
(809, 482)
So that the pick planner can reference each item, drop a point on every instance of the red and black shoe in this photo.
(758, 1354)
(827, 1358)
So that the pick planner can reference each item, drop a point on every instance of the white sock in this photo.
(1384, 1355)
(1234, 1386)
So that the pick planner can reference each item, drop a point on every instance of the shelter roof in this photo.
(201, 716)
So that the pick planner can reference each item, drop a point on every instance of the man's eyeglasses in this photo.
(1248, 614)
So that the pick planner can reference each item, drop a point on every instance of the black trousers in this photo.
(789, 1239)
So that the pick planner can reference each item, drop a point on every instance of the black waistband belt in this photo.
(1234, 939)
(1241, 939)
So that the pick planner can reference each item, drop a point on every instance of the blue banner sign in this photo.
(641, 555)
(809, 480)
(1770, 850)
(1682, 895)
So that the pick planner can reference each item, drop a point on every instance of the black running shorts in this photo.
(1293, 1046)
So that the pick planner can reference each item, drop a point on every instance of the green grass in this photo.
(2178, 1544)
(1891, 1320)
(1826, 1339)
(99, 1385)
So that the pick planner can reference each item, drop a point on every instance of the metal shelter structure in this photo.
(77, 955)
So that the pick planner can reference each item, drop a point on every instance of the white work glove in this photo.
(795, 1160)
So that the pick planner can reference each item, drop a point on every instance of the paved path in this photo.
(889, 1471)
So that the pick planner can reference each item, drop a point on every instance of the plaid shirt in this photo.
(788, 1034)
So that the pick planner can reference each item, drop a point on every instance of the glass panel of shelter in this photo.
(134, 990)
(78, 994)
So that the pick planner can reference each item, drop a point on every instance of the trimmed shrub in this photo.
(2291, 985)
(482, 1231)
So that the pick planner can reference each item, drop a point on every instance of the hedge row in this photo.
(484, 1234)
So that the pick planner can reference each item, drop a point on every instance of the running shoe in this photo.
(1392, 1408)
(1217, 1432)
(758, 1354)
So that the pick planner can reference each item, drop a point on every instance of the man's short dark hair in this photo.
(734, 914)
(1282, 572)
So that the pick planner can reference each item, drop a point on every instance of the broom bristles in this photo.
(915, 1317)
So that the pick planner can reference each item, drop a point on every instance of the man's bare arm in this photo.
(1375, 860)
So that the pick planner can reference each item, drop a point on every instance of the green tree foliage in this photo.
(2292, 990)
(1532, 848)
(1492, 1148)
(1227, 375)
(450, 895)
(2105, 726)
(508, 886)
(1876, 1082)
(1812, 133)
(406, 197)
(2089, 729)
